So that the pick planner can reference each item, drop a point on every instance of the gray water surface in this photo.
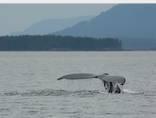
(29, 86)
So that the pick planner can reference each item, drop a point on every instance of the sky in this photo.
(17, 17)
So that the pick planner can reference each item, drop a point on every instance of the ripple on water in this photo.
(51, 92)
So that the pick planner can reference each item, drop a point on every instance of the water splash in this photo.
(129, 91)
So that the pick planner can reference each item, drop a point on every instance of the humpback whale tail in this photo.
(111, 83)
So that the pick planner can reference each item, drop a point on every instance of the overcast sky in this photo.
(17, 17)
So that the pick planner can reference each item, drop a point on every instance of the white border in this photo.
(77, 1)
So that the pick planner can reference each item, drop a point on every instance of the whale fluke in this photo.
(111, 83)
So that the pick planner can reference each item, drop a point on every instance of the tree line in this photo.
(52, 42)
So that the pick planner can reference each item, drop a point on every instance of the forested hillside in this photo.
(56, 43)
(123, 20)
(133, 24)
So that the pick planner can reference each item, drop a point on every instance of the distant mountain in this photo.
(51, 25)
(123, 20)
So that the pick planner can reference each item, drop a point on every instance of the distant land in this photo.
(50, 25)
(58, 43)
(134, 24)
(123, 20)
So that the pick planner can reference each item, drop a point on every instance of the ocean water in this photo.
(29, 86)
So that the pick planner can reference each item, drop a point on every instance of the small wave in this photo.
(150, 93)
(51, 92)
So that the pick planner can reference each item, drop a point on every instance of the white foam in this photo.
(129, 91)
